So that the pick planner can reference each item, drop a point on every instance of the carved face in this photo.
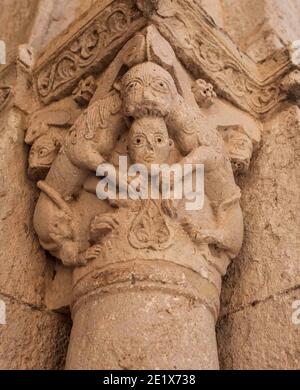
(147, 89)
(240, 149)
(42, 154)
(204, 93)
(85, 91)
(149, 142)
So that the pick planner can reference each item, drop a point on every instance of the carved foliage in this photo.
(204, 49)
(86, 49)
(150, 228)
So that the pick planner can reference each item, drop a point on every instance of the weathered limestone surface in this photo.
(261, 336)
(269, 259)
(15, 22)
(32, 337)
(190, 344)
(255, 328)
(264, 279)
(23, 266)
(118, 246)
(53, 16)
(258, 27)
(36, 22)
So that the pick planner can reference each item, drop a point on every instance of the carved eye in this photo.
(161, 85)
(43, 152)
(133, 85)
(159, 138)
(138, 141)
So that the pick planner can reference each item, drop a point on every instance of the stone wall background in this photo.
(33, 337)
(255, 329)
(36, 22)
(258, 27)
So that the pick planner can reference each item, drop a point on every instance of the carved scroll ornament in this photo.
(87, 49)
(198, 43)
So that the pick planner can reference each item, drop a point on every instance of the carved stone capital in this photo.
(133, 84)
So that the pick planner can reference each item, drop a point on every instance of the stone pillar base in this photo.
(147, 316)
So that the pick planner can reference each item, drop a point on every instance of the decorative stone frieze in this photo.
(199, 44)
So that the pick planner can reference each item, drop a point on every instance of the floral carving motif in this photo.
(150, 229)
(209, 52)
(84, 51)
(200, 45)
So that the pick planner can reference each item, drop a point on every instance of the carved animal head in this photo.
(147, 89)
(149, 142)
(239, 147)
(42, 154)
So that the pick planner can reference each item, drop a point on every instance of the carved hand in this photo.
(204, 236)
(101, 225)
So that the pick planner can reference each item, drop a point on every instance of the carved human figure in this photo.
(149, 143)
(144, 242)
(145, 89)
(224, 197)
(150, 246)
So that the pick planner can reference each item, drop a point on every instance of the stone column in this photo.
(256, 329)
(143, 315)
